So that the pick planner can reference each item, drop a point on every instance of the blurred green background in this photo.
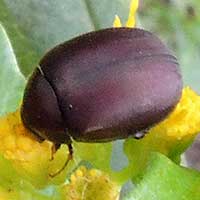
(35, 26)
(177, 22)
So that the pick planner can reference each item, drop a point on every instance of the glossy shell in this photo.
(102, 86)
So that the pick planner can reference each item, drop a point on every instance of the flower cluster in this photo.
(87, 184)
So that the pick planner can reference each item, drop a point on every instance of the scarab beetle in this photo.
(102, 86)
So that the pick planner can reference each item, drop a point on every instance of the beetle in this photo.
(105, 85)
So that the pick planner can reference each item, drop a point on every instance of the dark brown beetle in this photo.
(102, 86)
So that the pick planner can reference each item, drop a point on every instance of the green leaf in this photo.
(11, 80)
(165, 180)
(98, 154)
(43, 24)
(138, 152)
(26, 55)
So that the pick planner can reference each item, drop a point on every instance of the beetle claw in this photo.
(139, 135)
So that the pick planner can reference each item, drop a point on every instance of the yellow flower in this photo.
(89, 184)
(30, 158)
(185, 120)
(6, 194)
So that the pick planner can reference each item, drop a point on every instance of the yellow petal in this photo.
(117, 22)
(133, 8)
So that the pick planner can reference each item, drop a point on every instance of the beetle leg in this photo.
(54, 148)
(70, 156)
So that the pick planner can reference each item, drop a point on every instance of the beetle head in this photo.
(40, 110)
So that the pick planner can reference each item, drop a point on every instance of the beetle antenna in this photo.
(70, 156)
